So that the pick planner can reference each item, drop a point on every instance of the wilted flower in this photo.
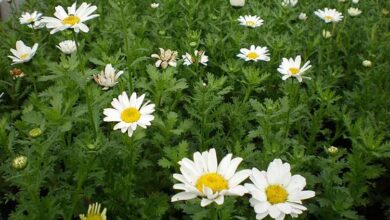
(254, 53)
(23, 53)
(129, 113)
(302, 16)
(32, 20)
(292, 68)
(107, 78)
(329, 15)
(19, 162)
(290, 3)
(276, 192)
(199, 57)
(166, 57)
(94, 213)
(367, 63)
(16, 73)
(250, 21)
(154, 5)
(326, 34)
(67, 46)
(354, 11)
(73, 19)
(35, 132)
(237, 3)
(204, 177)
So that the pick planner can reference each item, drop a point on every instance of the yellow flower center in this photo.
(294, 70)
(71, 20)
(130, 115)
(328, 18)
(24, 56)
(30, 20)
(252, 55)
(214, 181)
(250, 23)
(94, 217)
(276, 194)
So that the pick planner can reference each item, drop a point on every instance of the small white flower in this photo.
(129, 113)
(250, 21)
(154, 5)
(203, 177)
(354, 11)
(276, 192)
(32, 20)
(72, 19)
(165, 58)
(329, 15)
(355, 1)
(254, 53)
(367, 63)
(290, 3)
(292, 68)
(302, 16)
(237, 3)
(199, 57)
(23, 53)
(107, 78)
(67, 46)
(326, 34)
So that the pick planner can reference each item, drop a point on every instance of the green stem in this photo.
(290, 95)
(214, 212)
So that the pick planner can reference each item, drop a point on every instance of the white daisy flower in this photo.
(276, 193)
(129, 113)
(203, 177)
(32, 20)
(355, 1)
(326, 34)
(165, 58)
(23, 53)
(199, 57)
(254, 53)
(94, 213)
(302, 16)
(67, 46)
(72, 19)
(329, 15)
(237, 3)
(290, 3)
(354, 11)
(154, 5)
(107, 78)
(292, 68)
(250, 21)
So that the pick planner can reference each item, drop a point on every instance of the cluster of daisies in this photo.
(274, 192)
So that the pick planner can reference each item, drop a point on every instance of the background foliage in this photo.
(231, 105)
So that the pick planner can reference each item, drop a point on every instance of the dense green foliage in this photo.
(231, 105)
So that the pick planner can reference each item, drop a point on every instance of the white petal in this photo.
(239, 177)
(212, 160)
(232, 167)
(183, 196)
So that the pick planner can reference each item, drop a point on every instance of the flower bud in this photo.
(367, 63)
(35, 132)
(332, 150)
(19, 162)
(237, 3)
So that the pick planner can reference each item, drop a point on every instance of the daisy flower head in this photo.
(292, 68)
(107, 78)
(67, 46)
(237, 3)
(165, 58)
(199, 57)
(23, 53)
(94, 213)
(254, 53)
(354, 12)
(329, 15)
(154, 5)
(250, 21)
(16, 73)
(289, 3)
(203, 177)
(276, 192)
(74, 18)
(302, 16)
(32, 20)
(129, 113)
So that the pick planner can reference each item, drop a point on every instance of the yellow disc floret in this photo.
(276, 194)
(214, 181)
(130, 115)
(71, 20)
(294, 70)
(252, 55)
